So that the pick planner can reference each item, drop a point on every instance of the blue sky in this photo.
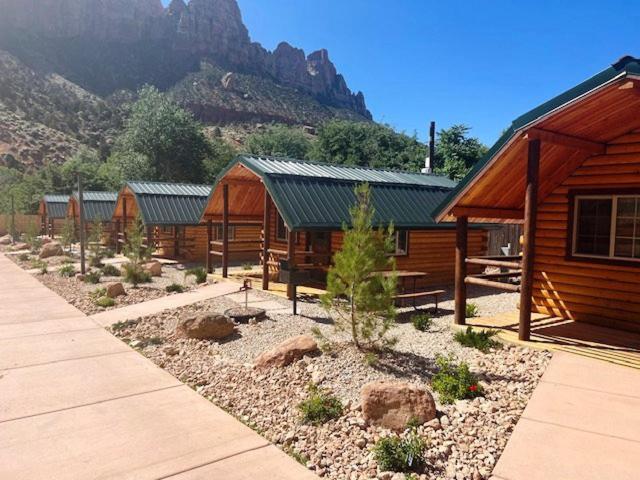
(481, 63)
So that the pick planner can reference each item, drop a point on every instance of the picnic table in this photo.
(414, 294)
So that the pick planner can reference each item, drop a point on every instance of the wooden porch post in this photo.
(266, 227)
(124, 218)
(462, 227)
(291, 254)
(528, 247)
(225, 230)
(116, 235)
(209, 240)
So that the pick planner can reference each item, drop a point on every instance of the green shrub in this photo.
(175, 287)
(395, 454)
(105, 302)
(67, 270)
(135, 274)
(99, 292)
(110, 271)
(454, 381)
(24, 257)
(320, 407)
(422, 322)
(247, 266)
(108, 253)
(96, 262)
(482, 340)
(370, 359)
(471, 310)
(122, 325)
(92, 277)
(44, 268)
(198, 272)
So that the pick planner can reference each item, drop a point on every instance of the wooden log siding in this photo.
(601, 293)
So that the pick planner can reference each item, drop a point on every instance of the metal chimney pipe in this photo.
(431, 156)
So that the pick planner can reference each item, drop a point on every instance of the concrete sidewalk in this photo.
(75, 402)
(582, 423)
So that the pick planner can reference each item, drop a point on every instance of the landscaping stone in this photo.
(52, 249)
(287, 352)
(154, 268)
(394, 404)
(205, 327)
(6, 240)
(115, 289)
(21, 246)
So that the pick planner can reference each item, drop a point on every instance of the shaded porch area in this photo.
(558, 334)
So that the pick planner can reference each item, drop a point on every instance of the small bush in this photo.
(454, 381)
(108, 253)
(482, 340)
(44, 268)
(98, 292)
(67, 270)
(96, 262)
(110, 271)
(175, 287)
(471, 310)
(370, 359)
(92, 277)
(135, 274)
(24, 257)
(422, 322)
(198, 272)
(122, 325)
(395, 454)
(247, 266)
(105, 302)
(320, 407)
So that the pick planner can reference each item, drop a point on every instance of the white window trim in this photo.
(397, 251)
(612, 228)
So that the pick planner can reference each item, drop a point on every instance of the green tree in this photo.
(94, 241)
(279, 141)
(456, 152)
(221, 154)
(160, 130)
(367, 145)
(361, 297)
(87, 163)
(68, 234)
(137, 253)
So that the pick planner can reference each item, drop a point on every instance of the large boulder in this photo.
(115, 289)
(52, 249)
(393, 404)
(154, 268)
(206, 326)
(287, 352)
(6, 240)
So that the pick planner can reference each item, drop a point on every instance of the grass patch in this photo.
(454, 381)
(395, 454)
(92, 277)
(174, 288)
(422, 322)
(105, 302)
(481, 340)
(110, 271)
(198, 272)
(471, 310)
(247, 266)
(67, 270)
(320, 407)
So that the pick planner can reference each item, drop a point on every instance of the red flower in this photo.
(473, 388)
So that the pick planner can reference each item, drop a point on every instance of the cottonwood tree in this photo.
(359, 296)
(456, 152)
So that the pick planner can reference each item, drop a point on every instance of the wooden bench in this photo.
(415, 295)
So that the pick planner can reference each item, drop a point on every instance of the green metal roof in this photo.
(318, 196)
(624, 67)
(98, 205)
(170, 203)
(56, 205)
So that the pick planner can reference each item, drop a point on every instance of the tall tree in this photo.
(169, 136)
(456, 152)
(357, 292)
(279, 141)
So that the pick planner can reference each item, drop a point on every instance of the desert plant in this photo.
(135, 274)
(105, 302)
(247, 266)
(109, 270)
(198, 272)
(422, 321)
(67, 270)
(370, 359)
(98, 292)
(319, 407)
(24, 257)
(92, 277)
(118, 326)
(359, 294)
(108, 253)
(471, 310)
(137, 253)
(95, 244)
(67, 234)
(31, 237)
(41, 265)
(454, 381)
(398, 454)
(481, 340)
(175, 287)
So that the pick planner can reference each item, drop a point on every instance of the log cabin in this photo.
(296, 210)
(170, 213)
(570, 171)
(98, 208)
(53, 213)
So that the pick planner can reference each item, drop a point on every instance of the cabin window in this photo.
(218, 233)
(607, 226)
(281, 229)
(402, 242)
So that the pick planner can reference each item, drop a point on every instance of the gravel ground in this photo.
(464, 442)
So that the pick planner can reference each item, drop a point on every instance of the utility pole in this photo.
(82, 227)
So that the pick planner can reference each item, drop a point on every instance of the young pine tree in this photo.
(137, 253)
(358, 294)
(67, 234)
(95, 243)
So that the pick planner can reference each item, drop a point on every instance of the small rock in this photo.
(52, 249)
(115, 289)
(154, 268)
(287, 352)
(205, 326)
(170, 350)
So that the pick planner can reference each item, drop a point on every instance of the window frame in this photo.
(400, 253)
(217, 232)
(279, 219)
(572, 238)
